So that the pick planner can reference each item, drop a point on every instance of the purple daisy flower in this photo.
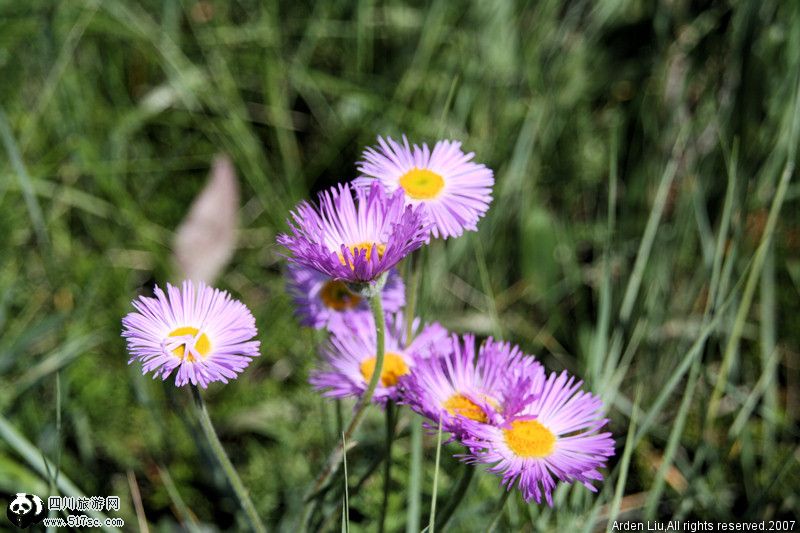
(349, 356)
(200, 331)
(554, 437)
(455, 190)
(354, 240)
(320, 300)
(460, 387)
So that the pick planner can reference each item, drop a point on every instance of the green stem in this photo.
(225, 463)
(376, 306)
(335, 458)
(456, 496)
(387, 465)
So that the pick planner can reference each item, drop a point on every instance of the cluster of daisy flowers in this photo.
(532, 428)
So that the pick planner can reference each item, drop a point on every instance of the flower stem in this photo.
(376, 305)
(335, 458)
(225, 463)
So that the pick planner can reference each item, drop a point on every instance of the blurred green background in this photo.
(644, 235)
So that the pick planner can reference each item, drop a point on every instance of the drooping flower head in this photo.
(460, 387)
(200, 331)
(555, 437)
(320, 300)
(455, 190)
(349, 356)
(354, 240)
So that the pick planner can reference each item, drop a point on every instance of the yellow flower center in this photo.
(421, 183)
(355, 250)
(458, 404)
(335, 295)
(393, 367)
(529, 438)
(202, 345)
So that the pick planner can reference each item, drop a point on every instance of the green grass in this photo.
(644, 235)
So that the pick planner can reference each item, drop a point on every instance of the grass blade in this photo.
(24, 180)
(432, 520)
(41, 465)
(624, 464)
(654, 494)
(732, 347)
(651, 228)
(346, 507)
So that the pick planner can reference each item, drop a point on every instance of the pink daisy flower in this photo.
(199, 331)
(354, 240)
(455, 190)
(349, 357)
(460, 387)
(555, 437)
(320, 300)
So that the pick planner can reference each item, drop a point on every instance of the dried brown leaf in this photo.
(206, 238)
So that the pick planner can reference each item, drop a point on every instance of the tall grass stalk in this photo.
(346, 500)
(435, 490)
